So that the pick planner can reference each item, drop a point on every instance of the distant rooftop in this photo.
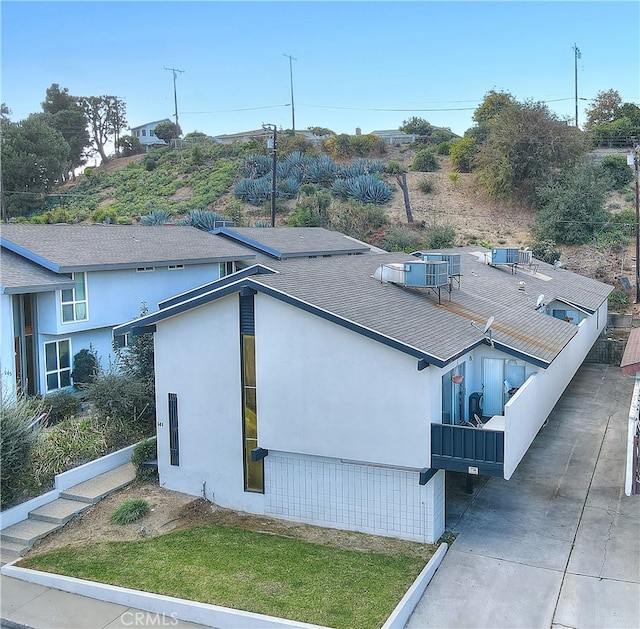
(67, 248)
(293, 242)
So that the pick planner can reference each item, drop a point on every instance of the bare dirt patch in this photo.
(171, 511)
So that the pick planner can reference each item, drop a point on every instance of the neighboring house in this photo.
(394, 136)
(64, 287)
(145, 133)
(261, 134)
(338, 390)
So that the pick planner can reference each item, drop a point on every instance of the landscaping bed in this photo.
(306, 573)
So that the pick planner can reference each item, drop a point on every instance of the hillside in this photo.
(126, 189)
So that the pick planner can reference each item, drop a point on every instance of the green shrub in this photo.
(440, 236)
(462, 153)
(129, 511)
(85, 366)
(425, 161)
(444, 148)
(401, 239)
(62, 405)
(156, 217)
(146, 450)
(618, 170)
(126, 398)
(545, 250)
(16, 440)
(426, 185)
(70, 443)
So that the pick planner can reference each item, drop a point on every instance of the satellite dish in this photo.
(488, 324)
(540, 300)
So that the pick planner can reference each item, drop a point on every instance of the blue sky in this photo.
(361, 64)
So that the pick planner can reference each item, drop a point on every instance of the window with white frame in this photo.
(57, 360)
(74, 300)
(225, 268)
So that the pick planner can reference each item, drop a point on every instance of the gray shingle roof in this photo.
(68, 248)
(294, 242)
(18, 276)
(343, 289)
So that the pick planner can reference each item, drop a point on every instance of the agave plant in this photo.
(254, 191)
(289, 187)
(361, 166)
(256, 166)
(322, 170)
(364, 188)
(156, 217)
(203, 219)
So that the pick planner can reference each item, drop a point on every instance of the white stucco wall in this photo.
(527, 411)
(314, 384)
(327, 391)
(197, 358)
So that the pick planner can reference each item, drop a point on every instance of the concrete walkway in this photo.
(558, 545)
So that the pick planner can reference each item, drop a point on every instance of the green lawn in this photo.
(242, 569)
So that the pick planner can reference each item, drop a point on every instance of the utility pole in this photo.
(293, 115)
(576, 55)
(175, 94)
(274, 130)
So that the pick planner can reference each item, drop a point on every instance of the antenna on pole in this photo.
(175, 94)
(576, 55)
(293, 115)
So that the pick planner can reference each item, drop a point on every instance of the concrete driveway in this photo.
(558, 545)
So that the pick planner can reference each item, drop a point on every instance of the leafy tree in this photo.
(417, 126)
(320, 131)
(66, 116)
(604, 108)
(573, 206)
(167, 131)
(492, 106)
(526, 144)
(34, 157)
(462, 152)
(106, 116)
(129, 145)
(400, 174)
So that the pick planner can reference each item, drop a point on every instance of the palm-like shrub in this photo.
(254, 191)
(321, 170)
(203, 219)
(289, 187)
(365, 189)
(156, 217)
(256, 166)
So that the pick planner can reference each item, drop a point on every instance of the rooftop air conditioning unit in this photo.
(505, 255)
(525, 257)
(452, 258)
(427, 274)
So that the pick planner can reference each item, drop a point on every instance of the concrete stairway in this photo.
(17, 539)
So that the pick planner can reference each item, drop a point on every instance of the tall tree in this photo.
(65, 114)
(167, 131)
(604, 108)
(400, 173)
(34, 155)
(106, 116)
(526, 144)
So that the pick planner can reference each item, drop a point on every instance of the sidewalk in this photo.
(557, 545)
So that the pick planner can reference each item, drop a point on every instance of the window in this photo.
(144, 132)
(225, 268)
(57, 358)
(74, 300)
(151, 133)
(253, 470)
(175, 267)
(121, 340)
(174, 443)
(145, 269)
